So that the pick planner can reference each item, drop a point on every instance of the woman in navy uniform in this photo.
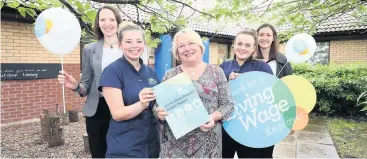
(127, 86)
(245, 47)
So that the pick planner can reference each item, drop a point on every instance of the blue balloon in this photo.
(40, 27)
(299, 45)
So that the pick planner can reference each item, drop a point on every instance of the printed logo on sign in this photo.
(264, 110)
(152, 81)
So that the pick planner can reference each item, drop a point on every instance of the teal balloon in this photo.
(40, 27)
(299, 45)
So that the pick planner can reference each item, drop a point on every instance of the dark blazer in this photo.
(283, 67)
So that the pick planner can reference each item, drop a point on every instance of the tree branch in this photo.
(118, 1)
(183, 6)
(118, 6)
(83, 25)
(137, 13)
(158, 15)
(153, 9)
(190, 15)
(266, 9)
(192, 8)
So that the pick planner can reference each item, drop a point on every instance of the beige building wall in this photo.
(20, 45)
(348, 51)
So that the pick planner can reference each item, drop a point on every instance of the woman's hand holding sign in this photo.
(146, 95)
(161, 113)
(233, 75)
(210, 125)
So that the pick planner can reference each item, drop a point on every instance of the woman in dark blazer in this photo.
(96, 56)
(268, 51)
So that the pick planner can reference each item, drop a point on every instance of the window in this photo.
(322, 54)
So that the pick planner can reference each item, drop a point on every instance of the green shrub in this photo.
(337, 86)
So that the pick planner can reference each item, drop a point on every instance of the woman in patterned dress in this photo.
(213, 89)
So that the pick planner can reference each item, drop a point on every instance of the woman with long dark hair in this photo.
(269, 53)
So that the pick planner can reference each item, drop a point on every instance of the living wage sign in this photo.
(264, 111)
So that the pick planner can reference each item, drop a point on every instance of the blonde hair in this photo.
(194, 37)
(128, 26)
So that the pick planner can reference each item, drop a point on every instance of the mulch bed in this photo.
(23, 141)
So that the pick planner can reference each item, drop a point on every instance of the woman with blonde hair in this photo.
(126, 85)
(212, 87)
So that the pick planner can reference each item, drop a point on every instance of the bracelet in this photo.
(77, 88)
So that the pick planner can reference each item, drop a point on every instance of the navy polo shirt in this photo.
(139, 136)
(230, 66)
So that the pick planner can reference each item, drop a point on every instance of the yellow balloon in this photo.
(303, 91)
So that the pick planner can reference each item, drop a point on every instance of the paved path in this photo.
(312, 142)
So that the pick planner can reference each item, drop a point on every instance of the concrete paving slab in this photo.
(316, 129)
(317, 121)
(289, 140)
(311, 150)
(309, 137)
(284, 151)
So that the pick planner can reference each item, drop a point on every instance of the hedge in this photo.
(337, 87)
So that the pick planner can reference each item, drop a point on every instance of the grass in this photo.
(349, 136)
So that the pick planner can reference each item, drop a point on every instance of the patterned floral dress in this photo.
(214, 92)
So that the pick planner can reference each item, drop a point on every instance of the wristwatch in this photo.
(77, 88)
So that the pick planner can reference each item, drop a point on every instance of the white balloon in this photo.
(293, 45)
(58, 30)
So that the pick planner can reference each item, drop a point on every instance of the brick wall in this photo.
(25, 99)
(213, 53)
(348, 51)
(344, 51)
(20, 45)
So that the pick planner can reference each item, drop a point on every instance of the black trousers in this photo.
(230, 146)
(97, 127)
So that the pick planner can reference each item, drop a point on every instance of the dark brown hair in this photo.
(97, 29)
(274, 45)
(252, 33)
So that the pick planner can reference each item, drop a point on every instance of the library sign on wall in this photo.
(29, 71)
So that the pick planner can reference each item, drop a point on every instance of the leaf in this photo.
(40, 2)
(13, 4)
(22, 11)
(87, 20)
(1, 4)
(360, 96)
(57, 4)
(32, 5)
(30, 12)
(91, 14)
(79, 6)
(365, 108)
(87, 6)
(43, 7)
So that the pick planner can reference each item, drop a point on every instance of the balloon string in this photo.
(63, 86)
(282, 68)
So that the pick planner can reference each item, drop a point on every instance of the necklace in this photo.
(111, 45)
(192, 74)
